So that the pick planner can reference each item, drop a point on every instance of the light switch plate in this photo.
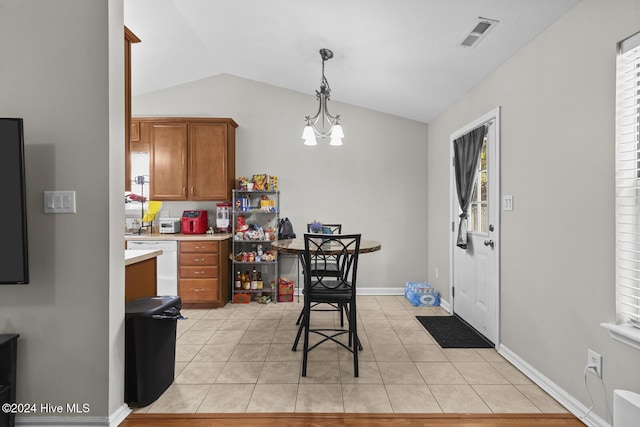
(59, 202)
(507, 202)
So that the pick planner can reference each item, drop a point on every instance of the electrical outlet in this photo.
(594, 361)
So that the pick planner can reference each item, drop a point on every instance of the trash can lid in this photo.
(149, 306)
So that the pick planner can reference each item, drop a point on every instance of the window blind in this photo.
(628, 180)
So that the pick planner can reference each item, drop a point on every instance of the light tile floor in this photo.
(238, 359)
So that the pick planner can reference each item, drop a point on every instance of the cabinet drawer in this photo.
(198, 272)
(193, 290)
(198, 259)
(200, 246)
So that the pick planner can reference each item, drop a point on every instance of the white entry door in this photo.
(475, 287)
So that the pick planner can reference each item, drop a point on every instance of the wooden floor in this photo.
(351, 420)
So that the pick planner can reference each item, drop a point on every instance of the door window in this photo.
(478, 222)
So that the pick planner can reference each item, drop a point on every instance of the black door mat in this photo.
(453, 332)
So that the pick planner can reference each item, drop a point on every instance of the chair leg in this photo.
(295, 343)
(300, 317)
(346, 310)
(353, 326)
(345, 307)
(305, 346)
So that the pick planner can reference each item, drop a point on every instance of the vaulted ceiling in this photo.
(401, 57)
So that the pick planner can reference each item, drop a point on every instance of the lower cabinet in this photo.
(203, 273)
(140, 280)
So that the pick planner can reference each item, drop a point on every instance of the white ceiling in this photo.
(400, 57)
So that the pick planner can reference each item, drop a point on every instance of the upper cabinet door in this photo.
(189, 158)
(168, 161)
(208, 168)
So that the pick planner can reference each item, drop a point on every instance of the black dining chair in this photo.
(339, 290)
(329, 269)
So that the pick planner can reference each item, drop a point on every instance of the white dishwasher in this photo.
(167, 262)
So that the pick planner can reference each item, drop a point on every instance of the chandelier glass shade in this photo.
(323, 124)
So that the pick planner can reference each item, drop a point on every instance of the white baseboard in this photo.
(365, 290)
(565, 399)
(380, 291)
(362, 290)
(119, 415)
(113, 420)
(375, 291)
(445, 305)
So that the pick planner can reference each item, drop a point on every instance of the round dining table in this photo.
(296, 246)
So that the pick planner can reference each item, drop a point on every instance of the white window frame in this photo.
(139, 167)
(627, 187)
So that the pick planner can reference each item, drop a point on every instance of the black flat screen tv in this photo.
(14, 261)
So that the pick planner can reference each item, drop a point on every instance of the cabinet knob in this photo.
(198, 259)
(198, 272)
(198, 290)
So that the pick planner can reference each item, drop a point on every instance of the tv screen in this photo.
(14, 265)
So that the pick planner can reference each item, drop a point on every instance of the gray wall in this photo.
(62, 72)
(557, 97)
(375, 184)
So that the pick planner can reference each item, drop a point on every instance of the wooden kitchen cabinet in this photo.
(139, 136)
(190, 158)
(209, 177)
(203, 273)
(168, 161)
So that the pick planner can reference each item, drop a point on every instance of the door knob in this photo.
(489, 243)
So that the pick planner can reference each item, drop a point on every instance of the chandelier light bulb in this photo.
(309, 136)
(336, 135)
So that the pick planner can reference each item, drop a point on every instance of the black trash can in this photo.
(150, 347)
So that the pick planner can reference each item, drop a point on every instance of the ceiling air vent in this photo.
(479, 31)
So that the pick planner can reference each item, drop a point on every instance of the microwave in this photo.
(169, 225)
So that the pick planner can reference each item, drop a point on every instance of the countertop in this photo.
(177, 236)
(133, 256)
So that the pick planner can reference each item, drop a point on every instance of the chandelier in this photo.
(323, 124)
